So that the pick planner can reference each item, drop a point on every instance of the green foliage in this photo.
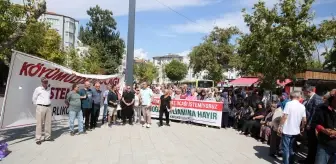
(327, 30)
(145, 72)
(330, 59)
(280, 42)
(176, 70)
(41, 41)
(214, 53)
(100, 33)
(92, 63)
(314, 64)
(14, 20)
(74, 61)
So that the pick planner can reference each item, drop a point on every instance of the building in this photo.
(190, 75)
(231, 73)
(160, 62)
(67, 27)
(82, 50)
(122, 67)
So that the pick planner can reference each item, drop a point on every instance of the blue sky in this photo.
(160, 31)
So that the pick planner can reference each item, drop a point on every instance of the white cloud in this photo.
(319, 20)
(140, 53)
(167, 35)
(206, 25)
(184, 53)
(250, 3)
(78, 8)
(322, 2)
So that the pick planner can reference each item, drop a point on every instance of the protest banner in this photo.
(203, 112)
(24, 76)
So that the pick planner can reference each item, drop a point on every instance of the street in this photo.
(180, 144)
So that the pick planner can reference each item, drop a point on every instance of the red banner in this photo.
(203, 105)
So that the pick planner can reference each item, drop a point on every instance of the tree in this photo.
(214, 53)
(314, 64)
(74, 61)
(92, 63)
(101, 30)
(176, 70)
(145, 72)
(41, 41)
(327, 33)
(16, 18)
(330, 59)
(281, 41)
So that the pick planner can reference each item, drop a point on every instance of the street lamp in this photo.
(130, 44)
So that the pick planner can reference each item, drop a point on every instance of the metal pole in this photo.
(130, 43)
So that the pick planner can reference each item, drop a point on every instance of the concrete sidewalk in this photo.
(178, 144)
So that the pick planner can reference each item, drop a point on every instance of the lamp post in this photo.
(130, 44)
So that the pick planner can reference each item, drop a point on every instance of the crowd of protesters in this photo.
(284, 120)
(277, 120)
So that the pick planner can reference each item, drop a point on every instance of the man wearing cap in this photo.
(284, 100)
(41, 98)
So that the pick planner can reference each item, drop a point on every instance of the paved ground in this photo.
(178, 144)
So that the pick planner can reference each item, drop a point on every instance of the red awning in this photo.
(283, 83)
(244, 81)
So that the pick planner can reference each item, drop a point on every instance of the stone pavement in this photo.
(178, 144)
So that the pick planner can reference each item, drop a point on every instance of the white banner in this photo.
(202, 112)
(25, 75)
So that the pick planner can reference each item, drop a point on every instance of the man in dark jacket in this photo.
(326, 132)
(313, 101)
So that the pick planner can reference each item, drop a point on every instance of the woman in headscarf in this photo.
(254, 123)
(193, 95)
(217, 97)
(210, 97)
(202, 96)
(226, 110)
(266, 124)
(244, 115)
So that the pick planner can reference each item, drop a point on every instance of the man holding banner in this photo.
(41, 98)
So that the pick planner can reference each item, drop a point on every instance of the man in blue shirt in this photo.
(97, 99)
(86, 100)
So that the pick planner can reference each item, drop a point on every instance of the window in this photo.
(71, 26)
(71, 37)
(53, 21)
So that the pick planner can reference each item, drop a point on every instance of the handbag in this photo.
(3, 150)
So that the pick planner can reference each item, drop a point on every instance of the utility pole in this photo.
(130, 43)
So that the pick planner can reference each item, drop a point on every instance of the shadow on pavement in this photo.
(14, 136)
(262, 153)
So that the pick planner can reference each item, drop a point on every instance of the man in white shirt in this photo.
(294, 118)
(41, 98)
(105, 95)
(146, 101)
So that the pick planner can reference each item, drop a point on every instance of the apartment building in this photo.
(66, 26)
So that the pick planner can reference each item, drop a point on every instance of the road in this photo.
(178, 144)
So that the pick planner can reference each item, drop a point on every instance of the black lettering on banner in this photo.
(54, 110)
(60, 110)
